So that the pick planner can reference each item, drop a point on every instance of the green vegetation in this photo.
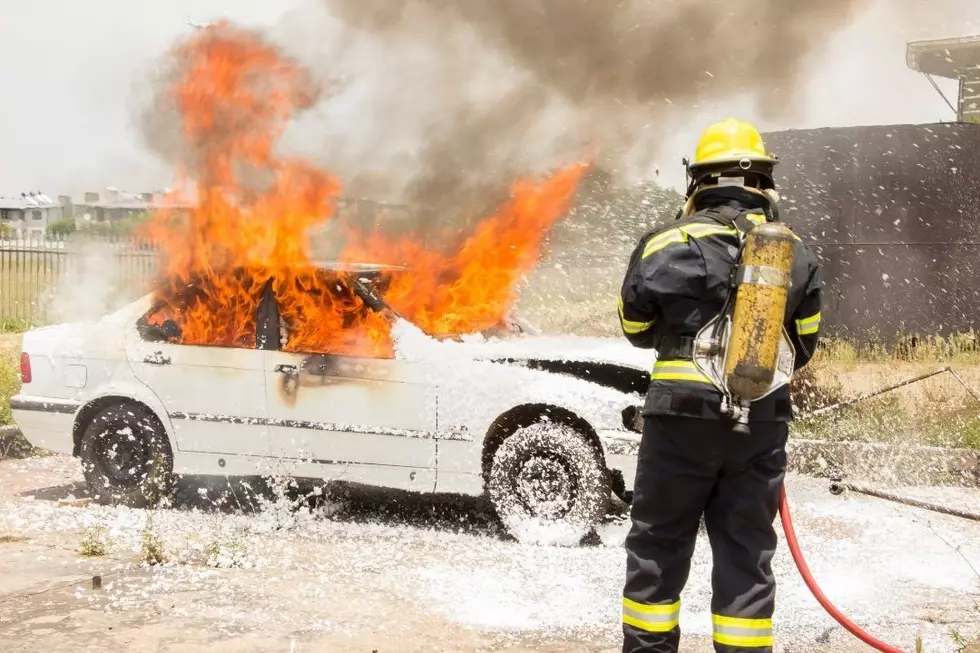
(13, 325)
(933, 412)
(958, 348)
(95, 542)
(119, 227)
(9, 382)
(151, 545)
(61, 229)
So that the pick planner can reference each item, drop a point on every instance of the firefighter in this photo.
(691, 462)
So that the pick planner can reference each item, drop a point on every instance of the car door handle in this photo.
(157, 358)
(286, 369)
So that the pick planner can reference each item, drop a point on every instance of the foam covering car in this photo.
(543, 425)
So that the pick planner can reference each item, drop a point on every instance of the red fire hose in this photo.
(839, 617)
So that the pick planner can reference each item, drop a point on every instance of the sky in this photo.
(72, 71)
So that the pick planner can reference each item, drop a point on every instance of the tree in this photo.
(61, 228)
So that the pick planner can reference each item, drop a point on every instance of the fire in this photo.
(246, 239)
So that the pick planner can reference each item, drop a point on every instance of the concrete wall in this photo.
(893, 211)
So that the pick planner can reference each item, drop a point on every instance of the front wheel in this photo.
(548, 485)
(126, 456)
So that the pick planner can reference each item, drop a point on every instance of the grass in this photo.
(9, 382)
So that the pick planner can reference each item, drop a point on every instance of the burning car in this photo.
(540, 424)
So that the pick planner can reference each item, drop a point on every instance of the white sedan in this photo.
(544, 425)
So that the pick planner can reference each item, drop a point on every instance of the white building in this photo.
(29, 214)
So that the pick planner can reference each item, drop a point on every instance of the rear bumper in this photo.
(46, 423)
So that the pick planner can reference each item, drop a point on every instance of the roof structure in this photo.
(27, 201)
(952, 58)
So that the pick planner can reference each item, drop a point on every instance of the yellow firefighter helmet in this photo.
(731, 141)
(734, 149)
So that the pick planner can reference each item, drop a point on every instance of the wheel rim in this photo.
(546, 487)
(121, 456)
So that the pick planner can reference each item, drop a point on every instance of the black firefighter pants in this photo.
(689, 467)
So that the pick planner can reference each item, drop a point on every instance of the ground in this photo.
(373, 572)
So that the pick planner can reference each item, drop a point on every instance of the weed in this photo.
(225, 552)
(13, 325)
(151, 546)
(9, 384)
(95, 542)
(959, 640)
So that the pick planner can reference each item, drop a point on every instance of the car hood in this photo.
(567, 348)
(412, 343)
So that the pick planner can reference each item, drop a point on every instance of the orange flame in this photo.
(242, 241)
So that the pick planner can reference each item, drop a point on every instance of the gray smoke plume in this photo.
(460, 97)
(442, 104)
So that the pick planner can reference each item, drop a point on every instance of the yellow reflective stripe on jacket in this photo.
(742, 633)
(808, 325)
(629, 326)
(681, 234)
(651, 618)
(678, 371)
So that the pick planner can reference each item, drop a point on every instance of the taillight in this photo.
(25, 367)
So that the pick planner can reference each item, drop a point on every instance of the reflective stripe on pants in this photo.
(658, 618)
(742, 633)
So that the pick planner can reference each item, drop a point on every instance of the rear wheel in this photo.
(548, 485)
(126, 456)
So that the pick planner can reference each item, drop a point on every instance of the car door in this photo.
(366, 420)
(215, 396)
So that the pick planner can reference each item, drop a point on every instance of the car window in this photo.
(199, 315)
(321, 314)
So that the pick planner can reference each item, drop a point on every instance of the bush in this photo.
(61, 228)
(9, 384)
(6, 233)
(118, 227)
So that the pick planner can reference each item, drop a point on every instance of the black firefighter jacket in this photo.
(678, 280)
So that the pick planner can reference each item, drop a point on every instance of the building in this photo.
(28, 215)
(954, 58)
(114, 205)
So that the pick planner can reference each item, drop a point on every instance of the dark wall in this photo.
(893, 213)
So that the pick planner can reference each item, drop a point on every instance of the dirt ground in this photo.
(380, 572)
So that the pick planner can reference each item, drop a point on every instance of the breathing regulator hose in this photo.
(839, 617)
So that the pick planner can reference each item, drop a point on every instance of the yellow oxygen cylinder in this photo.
(762, 288)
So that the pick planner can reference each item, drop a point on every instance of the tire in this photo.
(126, 457)
(548, 485)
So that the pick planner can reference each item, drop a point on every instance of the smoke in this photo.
(442, 104)
(95, 278)
(456, 98)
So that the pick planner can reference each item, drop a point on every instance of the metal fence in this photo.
(57, 278)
